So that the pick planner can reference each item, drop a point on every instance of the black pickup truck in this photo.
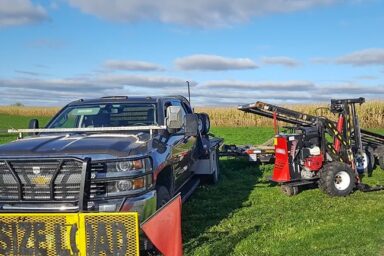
(112, 154)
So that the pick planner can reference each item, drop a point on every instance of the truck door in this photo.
(182, 149)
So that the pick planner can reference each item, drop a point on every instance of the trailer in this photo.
(259, 154)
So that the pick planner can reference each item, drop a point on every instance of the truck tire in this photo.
(214, 177)
(205, 123)
(289, 190)
(337, 179)
(163, 196)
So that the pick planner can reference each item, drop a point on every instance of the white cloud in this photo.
(19, 12)
(47, 43)
(28, 73)
(213, 63)
(63, 90)
(54, 84)
(260, 85)
(367, 77)
(374, 56)
(143, 81)
(99, 83)
(280, 60)
(220, 93)
(200, 13)
(132, 65)
(352, 89)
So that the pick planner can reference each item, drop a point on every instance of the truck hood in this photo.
(85, 145)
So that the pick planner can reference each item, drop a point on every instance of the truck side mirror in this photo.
(33, 124)
(191, 125)
(174, 119)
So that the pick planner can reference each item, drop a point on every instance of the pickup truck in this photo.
(112, 154)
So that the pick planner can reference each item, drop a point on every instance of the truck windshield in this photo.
(106, 115)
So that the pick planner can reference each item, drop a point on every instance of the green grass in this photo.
(245, 215)
(243, 135)
(9, 121)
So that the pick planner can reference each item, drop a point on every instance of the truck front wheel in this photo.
(163, 196)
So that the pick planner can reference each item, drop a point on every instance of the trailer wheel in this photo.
(368, 163)
(163, 196)
(214, 177)
(381, 162)
(337, 179)
(205, 123)
(289, 190)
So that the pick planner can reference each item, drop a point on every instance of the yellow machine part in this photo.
(69, 234)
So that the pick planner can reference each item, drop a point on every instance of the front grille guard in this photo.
(84, 192)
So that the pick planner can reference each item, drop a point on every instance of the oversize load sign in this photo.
(69, 234)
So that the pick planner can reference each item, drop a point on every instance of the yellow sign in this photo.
(69, 234)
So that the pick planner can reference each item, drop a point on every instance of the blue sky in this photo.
(233, 52)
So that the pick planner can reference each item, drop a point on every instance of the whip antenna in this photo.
(189, 92)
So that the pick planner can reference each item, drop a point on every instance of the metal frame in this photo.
(83, 192)
(93, 129)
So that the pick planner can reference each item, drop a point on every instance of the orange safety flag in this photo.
(164, 228)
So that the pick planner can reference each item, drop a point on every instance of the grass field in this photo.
(8, 121)
(245, 215)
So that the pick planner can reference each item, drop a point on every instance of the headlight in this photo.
(121, 178)
(126, 166)
(122, 168)
(128, 186)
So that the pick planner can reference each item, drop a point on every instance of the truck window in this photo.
(106, 115)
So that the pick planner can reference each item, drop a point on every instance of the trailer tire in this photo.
(214, 177)
(381, 161)
(371, 165)
(337, 179)
(289, 190)
(205, 123)
(162, 196)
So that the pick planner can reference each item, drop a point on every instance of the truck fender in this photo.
(164, 176)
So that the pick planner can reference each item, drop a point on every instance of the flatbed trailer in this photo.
(264, 153)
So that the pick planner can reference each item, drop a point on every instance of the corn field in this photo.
(371, 114)
(28, 111)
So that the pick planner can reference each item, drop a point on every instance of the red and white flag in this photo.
(164, 228)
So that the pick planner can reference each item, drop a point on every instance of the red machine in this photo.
(333, 155)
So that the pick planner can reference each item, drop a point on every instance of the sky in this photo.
(231, 52)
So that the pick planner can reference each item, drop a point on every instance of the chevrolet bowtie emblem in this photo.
(41, 180)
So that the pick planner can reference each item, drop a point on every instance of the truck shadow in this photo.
(211, 204)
